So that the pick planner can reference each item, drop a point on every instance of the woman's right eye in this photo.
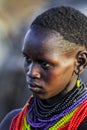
(27, 59)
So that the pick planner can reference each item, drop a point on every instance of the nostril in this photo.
(34, 71)
(34, 75)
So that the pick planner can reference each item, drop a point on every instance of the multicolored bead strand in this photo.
(63, 120)
(71, 115)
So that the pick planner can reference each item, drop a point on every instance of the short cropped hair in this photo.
(69, 22)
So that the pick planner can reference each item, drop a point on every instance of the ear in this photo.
(81, 59)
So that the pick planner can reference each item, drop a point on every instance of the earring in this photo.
(78, 83)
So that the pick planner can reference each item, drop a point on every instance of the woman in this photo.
(55, 53)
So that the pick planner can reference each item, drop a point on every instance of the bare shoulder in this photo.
(5, 124)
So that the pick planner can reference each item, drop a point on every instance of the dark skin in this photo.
(48, 69)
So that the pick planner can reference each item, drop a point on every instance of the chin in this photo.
(41, 96)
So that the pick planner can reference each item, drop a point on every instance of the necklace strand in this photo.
(49, 122)
(71, 102)
(43, 112)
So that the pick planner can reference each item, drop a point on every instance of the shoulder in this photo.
(83, 125)
(4, 125)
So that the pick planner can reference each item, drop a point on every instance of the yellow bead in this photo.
(78, 83)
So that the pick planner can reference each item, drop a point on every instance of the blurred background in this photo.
(15, 18)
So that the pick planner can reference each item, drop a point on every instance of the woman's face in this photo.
(47, 69)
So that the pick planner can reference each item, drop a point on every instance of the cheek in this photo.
(61, 74)
(68, 70)
(53, 76)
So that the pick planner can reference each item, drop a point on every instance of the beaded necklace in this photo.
(46, 111)
(43, 117)
(47, 123)
(29, 120)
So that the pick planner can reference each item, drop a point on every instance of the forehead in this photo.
(46, 41)
(42, 35)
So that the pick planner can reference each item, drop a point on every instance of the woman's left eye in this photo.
(45, 65)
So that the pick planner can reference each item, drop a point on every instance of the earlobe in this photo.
(81, 59)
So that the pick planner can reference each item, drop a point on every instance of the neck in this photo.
(67, 89)
(53, 100)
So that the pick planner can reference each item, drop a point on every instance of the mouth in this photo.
(35, 88)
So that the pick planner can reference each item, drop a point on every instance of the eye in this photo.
(45, 65)
(27, 59)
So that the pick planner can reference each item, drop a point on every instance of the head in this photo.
(55, 51)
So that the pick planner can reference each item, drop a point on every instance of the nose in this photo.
(34, 71)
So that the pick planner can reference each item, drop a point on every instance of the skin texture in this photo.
(48, 69)
(53, 62)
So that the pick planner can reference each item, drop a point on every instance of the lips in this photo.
(34, 87)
